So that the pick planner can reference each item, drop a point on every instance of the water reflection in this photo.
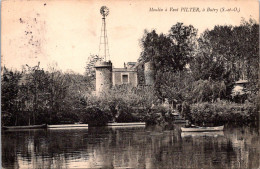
(136, 147)
(202, 134)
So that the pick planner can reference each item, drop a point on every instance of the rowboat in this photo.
(126, 124)
(25, 127)
(201, 129)
(67, 126)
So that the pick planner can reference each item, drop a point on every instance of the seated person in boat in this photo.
(188, 124)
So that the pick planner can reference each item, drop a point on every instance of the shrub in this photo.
(207, 90)
(94, 116)
(122, 103)
(222, 112)
(156, 115)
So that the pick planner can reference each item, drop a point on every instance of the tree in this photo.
(228, 53)
(247, 40)
(90, 67)
(207, 63)
(169, 52)
(177, 87)
(36, 83)
(9, 95)
(184, 40)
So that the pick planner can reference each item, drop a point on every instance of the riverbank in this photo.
(218, 113)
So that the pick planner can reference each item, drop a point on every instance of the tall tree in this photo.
(184, 39)
(9, 95)
(207, 63)
(229, 53)
(169, 52)
(247, 40)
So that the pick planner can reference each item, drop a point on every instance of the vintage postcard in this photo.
(130, 84)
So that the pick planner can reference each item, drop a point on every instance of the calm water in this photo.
(136, 147)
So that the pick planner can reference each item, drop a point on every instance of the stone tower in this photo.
(103, 76)
(149, 73)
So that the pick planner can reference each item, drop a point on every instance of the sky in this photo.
(66, 32)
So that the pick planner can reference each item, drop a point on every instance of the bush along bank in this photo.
(221, 113)
(97, 116)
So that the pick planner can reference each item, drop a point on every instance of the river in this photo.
(131, 147)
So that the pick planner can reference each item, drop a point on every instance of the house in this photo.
(126, 75)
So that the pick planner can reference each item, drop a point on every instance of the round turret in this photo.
(103, 76)
(149, 73)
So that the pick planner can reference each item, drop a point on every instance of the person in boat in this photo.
(188, 124)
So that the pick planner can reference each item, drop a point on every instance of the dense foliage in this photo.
(229, 53)
(35, 96)
(169, 52)
(222, 112)
(121, 104)
(212, 62)
(209, 67)
(196, 74)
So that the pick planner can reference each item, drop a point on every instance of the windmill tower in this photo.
(103, 67)
(103, 44)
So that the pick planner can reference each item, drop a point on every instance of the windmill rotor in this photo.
(104, 11)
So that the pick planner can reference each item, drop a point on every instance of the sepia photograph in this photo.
(126, 84)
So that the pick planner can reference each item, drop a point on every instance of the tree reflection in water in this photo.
(138, 147)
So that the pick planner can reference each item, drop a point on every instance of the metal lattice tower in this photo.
(103, 44)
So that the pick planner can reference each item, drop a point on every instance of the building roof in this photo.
(131, 63)
(128, 67)
(123, 70)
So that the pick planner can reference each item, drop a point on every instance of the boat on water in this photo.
(201, 129)
(126, 124)
(67, 126)
(25, 127)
